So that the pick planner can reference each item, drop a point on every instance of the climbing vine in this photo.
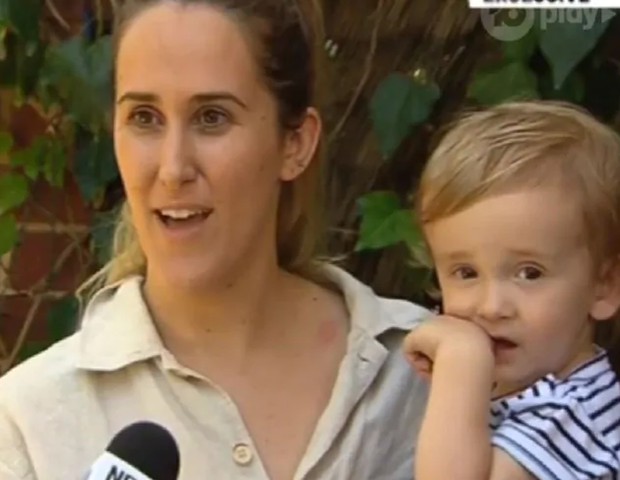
(65, 76)
(553, 60)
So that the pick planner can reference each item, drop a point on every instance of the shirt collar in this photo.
(372, 314)
(117, 328)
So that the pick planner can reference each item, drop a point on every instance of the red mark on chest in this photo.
(328, 332)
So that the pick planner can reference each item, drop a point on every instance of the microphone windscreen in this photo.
(148, 447)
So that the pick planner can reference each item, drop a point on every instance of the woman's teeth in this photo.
(181, 215)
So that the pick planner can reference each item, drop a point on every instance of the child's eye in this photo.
(464, 273)
(529, 273)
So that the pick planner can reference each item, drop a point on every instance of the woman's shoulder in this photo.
(371, 312)
(42, 377)
(378, 326)
(61, 368)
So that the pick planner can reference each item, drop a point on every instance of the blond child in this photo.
(520, 207)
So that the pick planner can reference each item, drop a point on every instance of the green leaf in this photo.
(384, 222)
(506, 82)
(13, 191)
(6, 142)
(9, 233)
(30, 349)
(565, 44)
(62, 318)
(95, 166)
(45, 155)
(572, 90)
(415, 236)
(21, 55)
(521, 49)
(8, 62)
(22, 16)
(18, 66)
(81, 74)
(54, 162)
(30, 159)
(3, 33)
(4, 12)
(398, 104)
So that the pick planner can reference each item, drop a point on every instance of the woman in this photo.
(214, 319)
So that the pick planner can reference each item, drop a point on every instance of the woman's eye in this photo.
(529, 273)
(465, 273)
(211, 118)
(143, 118)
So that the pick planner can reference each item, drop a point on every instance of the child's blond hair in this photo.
(524, 145)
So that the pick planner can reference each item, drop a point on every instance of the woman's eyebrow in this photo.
(197, 98)
(138, 97)
(211, 96)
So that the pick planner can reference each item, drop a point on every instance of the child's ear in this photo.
(607, 293)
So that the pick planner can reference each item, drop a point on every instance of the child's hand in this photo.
(461, 339)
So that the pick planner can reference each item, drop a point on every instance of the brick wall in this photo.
(53, 228)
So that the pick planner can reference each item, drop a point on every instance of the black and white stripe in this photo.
(564, 429)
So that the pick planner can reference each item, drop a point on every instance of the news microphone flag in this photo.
(109, 466)
(141, 451)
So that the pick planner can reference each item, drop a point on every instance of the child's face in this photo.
(518, 265)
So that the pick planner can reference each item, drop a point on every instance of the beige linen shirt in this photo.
(60, 409)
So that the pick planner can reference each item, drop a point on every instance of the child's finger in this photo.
(422, 364)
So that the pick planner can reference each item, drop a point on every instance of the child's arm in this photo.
(454, 440)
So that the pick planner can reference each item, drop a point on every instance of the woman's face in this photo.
(198, 145)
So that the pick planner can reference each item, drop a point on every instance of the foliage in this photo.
(68, 82)
(385, 222)
(67, 79)
(562, 61)
(400, 103)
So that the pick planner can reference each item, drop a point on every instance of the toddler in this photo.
(520, 208)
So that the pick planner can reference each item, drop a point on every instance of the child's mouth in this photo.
(501, 345)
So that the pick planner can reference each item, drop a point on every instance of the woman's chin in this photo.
(185, 276)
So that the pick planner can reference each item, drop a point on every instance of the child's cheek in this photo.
(458, 303)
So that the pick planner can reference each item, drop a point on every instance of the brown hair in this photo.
(285, 36)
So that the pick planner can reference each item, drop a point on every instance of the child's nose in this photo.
(493, 302)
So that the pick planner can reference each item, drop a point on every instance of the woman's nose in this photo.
(177, 165)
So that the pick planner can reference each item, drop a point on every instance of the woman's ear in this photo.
(300, 146)
(607, 292)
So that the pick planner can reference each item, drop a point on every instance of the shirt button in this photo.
(242, 454)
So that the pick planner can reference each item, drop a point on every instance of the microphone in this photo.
(140, 451)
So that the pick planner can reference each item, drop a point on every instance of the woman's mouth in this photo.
(181, 217)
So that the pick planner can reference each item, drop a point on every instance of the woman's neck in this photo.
(251, 313)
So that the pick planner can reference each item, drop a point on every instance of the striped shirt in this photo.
(564, 429)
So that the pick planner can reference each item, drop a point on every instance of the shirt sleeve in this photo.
(555, 439)
(14, 461)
